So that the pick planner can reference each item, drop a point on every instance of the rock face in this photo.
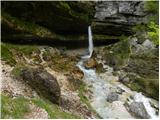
(59, 17)
(117, 17)
(113, 96)
(139, 63)
(43, 82)
(138, 110)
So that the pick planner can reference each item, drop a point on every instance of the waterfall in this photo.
(102, 85)
(90, 42)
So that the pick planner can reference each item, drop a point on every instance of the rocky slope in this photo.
(42, 42)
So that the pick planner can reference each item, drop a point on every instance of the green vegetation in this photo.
(82, 90)
(9, 52)
(17, 70)
(17, 107)
(25, 26)
(145, 85)
(6, 55)
(152, 6)
(53, 110)
(13, 107)
(118, 54)
(26, 49)
(154, 32)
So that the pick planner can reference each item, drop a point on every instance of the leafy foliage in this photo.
(154, 32)
(152, 6)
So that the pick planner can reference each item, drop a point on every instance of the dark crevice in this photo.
(70, 44)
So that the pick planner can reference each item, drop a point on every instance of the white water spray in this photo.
(101, 87)
(90, 42)
(140, 98)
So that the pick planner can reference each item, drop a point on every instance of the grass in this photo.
(29, 27)
(17, 107)
(13, 108)
(53, 110)
(145, 85)
(6, 55)
(7, 51)
(82, 90)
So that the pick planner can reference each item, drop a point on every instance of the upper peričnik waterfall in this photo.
(104, 85)
(90, 42)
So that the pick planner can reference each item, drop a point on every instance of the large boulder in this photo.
(139, 63)
(138, 110)
(43, 82)
(90, 63)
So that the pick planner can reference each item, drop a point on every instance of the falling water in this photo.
(90, 42)
(101, 87)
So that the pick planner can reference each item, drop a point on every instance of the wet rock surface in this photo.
(112, 97)
(91, 63)
(43, 82)
(138, 110)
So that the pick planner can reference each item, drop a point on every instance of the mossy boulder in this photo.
(43, 82)
(117, 55)
(138, 62)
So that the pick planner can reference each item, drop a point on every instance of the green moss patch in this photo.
(13, 107)
(6, 55)
(25, 26)
(53, 110)
(82, 90)
(16, 108)
(9, 50)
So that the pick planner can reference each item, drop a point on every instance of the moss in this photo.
(118, 54)
(25, 49)
(154, 32)
(17, 70)
(7, 55)
(13, 107)
(53, 110)
(17, 107)
(25, 26)
(148, 86)
(151, 6)
(82, 90)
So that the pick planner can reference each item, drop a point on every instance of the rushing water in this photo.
(102, 86)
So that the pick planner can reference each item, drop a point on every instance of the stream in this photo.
(101, 85)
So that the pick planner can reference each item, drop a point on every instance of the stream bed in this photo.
(110, 98)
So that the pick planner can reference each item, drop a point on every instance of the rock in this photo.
(124, 79)
(138, 110)
(43, 82)
(66, 13)
(120, 90)
(155, 105)
(99, 68)
(113, 96)
(148, 44)
(77, 73)
(118, 17)
(91, 63)
(119, 56)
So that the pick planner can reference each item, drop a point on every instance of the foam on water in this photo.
(100, 90)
